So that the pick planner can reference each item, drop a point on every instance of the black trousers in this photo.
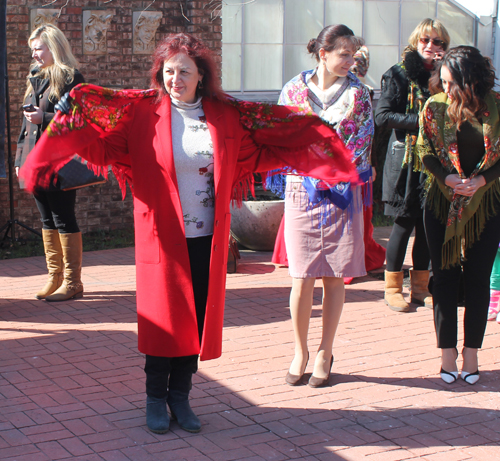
(398, 242)
(476, 278)
(175, 373)
(57, 209)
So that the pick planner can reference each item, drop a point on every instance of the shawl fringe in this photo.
(242, 188)
(454, 250)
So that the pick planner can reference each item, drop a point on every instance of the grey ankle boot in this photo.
(156, 415)
(181, 411)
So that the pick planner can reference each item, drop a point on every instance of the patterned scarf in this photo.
(415, 102)
(285, 131)
(355, 129)
(465, 217)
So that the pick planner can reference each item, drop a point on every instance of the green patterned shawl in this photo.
(465, 217)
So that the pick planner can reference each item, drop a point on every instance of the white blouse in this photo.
(194, 167)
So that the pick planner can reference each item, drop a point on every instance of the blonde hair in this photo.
(62, 72)
(425, 28)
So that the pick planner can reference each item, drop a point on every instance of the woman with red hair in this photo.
(184, 147)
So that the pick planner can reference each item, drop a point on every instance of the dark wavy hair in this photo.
(334, 37)
(473, 77)
(198, 52)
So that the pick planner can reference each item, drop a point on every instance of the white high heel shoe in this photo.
(470, 378)
(449, 377)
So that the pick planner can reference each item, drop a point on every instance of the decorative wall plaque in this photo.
(95, 25)
(41, 16)
(146, 24)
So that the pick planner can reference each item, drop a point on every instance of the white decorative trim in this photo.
(146, 24)
(41, 16)
(95, 25)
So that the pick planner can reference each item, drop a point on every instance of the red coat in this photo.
(165, 301)
(141, 146)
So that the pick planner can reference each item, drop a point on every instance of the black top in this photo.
(470, 143)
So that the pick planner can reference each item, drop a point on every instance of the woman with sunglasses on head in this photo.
(404, 92)
(459, 145)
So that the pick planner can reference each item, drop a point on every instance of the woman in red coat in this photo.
(183, 148)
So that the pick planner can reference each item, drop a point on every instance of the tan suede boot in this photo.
(54, 258)
(394, 291)
(72, 254)
(419, 288)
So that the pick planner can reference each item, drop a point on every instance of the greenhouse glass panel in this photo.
(381, 23)
(412, 13)
(263, 22)
(263, 67)
(461, 27)
(231, 23)
(231, 70)
(297, 59)
(303, 20)
(381, 59)
(348, 12)
(270, 36)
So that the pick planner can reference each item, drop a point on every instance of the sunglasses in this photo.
(435, 41)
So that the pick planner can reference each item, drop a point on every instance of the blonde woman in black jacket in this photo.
(404, 92)
(52, 74)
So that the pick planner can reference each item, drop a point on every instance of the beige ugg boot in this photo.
(54, 259)
(419, 290)
(394, 291)
(72, 254)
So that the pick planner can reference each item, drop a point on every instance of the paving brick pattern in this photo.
(72, 384)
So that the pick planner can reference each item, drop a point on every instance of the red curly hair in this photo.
(198, 52)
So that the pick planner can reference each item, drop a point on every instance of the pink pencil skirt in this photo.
(332, 250)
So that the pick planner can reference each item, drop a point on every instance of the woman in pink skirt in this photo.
(324, 223)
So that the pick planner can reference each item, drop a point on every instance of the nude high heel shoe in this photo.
(321, 382)
(295, 380)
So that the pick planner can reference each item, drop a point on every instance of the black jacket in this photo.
(400, 188)
(391, 106)
(30, 133)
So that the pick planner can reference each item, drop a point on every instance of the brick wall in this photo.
(98, 207)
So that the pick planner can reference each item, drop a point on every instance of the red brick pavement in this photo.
(72, 384)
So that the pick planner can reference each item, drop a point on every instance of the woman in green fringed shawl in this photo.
(459, 145)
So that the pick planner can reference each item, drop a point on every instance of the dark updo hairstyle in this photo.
(473, 77)
(198, 52)
(333, 37)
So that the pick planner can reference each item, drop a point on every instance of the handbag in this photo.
(75, 174)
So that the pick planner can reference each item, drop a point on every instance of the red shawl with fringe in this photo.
(96, 111)
(132, 133)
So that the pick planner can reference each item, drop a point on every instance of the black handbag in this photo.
(75, 174)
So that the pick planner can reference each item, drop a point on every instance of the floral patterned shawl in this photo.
(96, 111)
(355, 130)
(464, 216)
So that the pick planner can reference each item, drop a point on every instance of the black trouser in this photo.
(476, 276)
(398, 242)
(58, 210)
(164, 374)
